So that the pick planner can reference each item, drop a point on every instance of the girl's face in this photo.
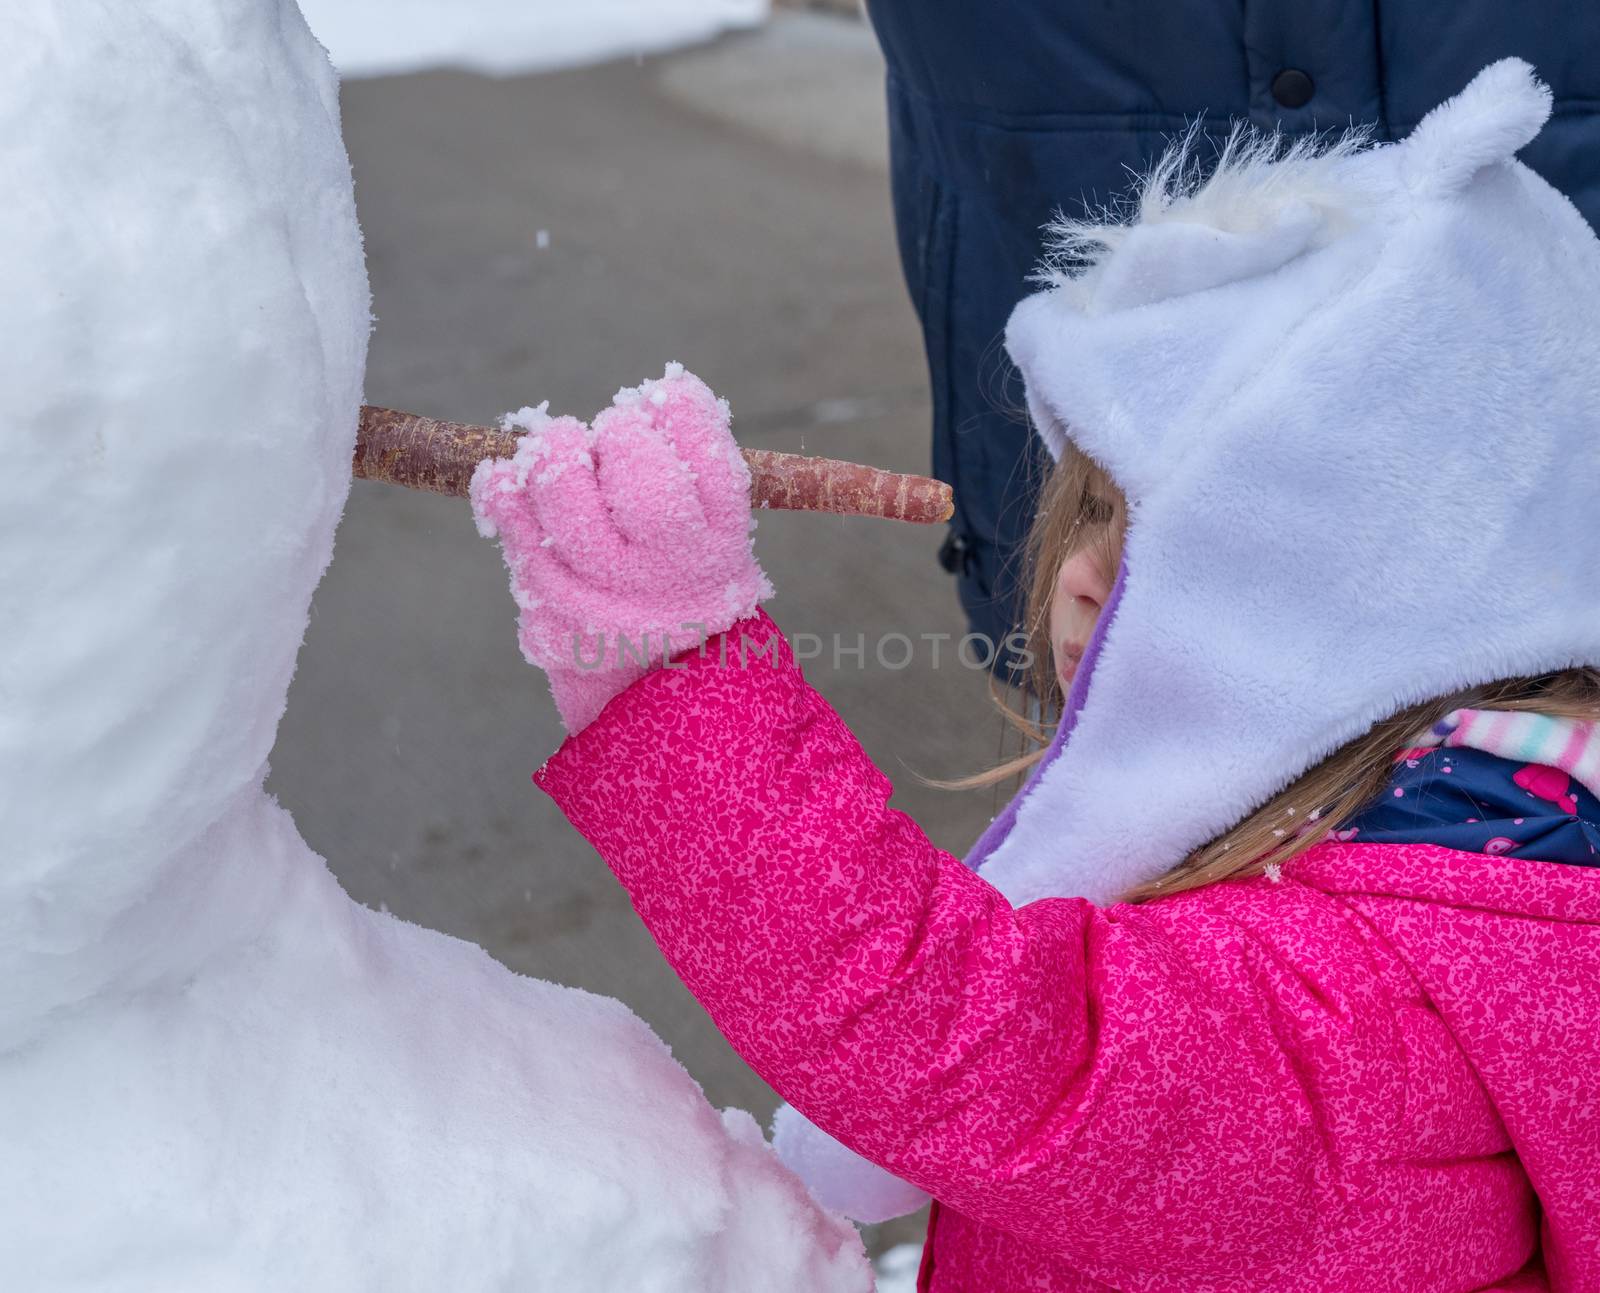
(1074, 551)
(1081, 589)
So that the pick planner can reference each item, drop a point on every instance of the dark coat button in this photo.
(1292, 88)
(955, 554)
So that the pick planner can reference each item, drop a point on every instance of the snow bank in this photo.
(380, 37)
(216, 1071)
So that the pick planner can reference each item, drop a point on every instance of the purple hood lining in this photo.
(995, 834)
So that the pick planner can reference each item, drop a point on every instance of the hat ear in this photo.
(1501, 111)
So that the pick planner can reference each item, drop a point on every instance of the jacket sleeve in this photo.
(1073, 1076)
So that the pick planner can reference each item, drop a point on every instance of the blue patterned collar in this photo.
(1478, 802)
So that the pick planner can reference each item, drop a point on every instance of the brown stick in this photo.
(422, 453)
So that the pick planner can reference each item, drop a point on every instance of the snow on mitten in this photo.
(628, 541)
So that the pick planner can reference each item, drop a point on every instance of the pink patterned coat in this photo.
(1377, 1073)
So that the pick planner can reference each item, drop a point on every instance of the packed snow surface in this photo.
(379, 37)
(217, 1072)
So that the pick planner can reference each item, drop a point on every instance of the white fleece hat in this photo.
(1354, 401)
(1353, 397)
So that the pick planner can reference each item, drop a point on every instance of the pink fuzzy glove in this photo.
(627, 542)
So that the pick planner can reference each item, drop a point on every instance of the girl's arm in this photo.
(1086, 1080)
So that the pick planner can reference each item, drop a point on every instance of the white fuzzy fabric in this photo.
(1355, 406)
(1500, 112)
(1259, 207)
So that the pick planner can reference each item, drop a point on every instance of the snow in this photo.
(217, 1071)
(897, 1269)
(501, 37)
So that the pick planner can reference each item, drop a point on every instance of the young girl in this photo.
(1283, 969)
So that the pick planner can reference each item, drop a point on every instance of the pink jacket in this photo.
(1376, 1073)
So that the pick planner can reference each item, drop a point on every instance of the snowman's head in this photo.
(182, 340)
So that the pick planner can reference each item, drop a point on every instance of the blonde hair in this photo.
(1081, 509)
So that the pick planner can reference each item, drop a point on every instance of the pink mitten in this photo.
(627, 542)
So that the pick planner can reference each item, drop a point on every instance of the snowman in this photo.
(217, 1072)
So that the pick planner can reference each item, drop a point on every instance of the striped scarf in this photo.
(1564, 743)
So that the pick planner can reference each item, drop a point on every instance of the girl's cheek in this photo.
(1080, 593)
(1059, 601)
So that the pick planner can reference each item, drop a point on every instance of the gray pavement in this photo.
(554, 237)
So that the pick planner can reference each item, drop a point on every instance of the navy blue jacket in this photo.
(1003, 111)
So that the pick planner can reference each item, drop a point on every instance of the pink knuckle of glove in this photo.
(626, 543)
